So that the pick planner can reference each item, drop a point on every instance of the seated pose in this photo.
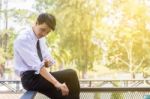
(31, 57)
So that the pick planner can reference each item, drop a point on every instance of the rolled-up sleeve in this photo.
(46, 54)
(28, 55)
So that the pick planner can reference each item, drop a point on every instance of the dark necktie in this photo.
(39, 50)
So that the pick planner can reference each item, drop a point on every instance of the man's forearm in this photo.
(63, 87)
(44, 73)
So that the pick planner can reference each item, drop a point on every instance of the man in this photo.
(31, 57)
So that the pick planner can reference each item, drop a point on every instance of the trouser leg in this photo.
(38, 83)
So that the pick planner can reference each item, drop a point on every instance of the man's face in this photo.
(42, 30)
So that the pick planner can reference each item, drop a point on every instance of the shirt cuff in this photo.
(38, 68)
(52, 62)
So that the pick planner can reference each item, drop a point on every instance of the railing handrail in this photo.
(107, 89)
(90, 80)
(90, 83)
(114, 79)
(9, 80)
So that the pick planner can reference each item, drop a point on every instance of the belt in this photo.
(29, 72)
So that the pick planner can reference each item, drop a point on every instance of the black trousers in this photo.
(35, 82)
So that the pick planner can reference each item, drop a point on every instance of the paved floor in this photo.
(10, 96)
(18, 95)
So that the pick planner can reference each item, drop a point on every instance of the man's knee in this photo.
(71, 72)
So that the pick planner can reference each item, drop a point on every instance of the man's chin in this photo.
(41, 36)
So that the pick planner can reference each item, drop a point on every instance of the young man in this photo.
(31, 57)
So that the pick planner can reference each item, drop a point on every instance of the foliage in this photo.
(117, 96)
(112, 33)
(2, 56)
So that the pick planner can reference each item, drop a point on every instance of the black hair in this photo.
(48, 19)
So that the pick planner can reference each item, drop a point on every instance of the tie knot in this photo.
(37, 41)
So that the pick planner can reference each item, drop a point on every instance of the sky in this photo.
(17, 4)
(20, 4)
(27, 4)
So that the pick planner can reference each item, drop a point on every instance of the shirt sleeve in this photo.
(46, 54)
(28, 54)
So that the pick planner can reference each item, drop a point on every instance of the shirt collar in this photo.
(34, 37)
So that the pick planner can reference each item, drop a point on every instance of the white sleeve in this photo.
(28, 55)
(46, 53)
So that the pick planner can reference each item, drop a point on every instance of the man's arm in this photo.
(31, 59)
(63, 87)
(46, 54)
(24, 48)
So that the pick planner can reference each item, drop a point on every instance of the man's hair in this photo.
(48, 19)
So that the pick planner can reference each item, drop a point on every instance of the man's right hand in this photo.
(63, 87)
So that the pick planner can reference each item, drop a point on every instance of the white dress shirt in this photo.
(25, 52)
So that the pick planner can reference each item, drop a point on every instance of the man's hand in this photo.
(47, 63)
(63, 87)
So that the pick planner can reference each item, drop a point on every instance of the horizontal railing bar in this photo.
(139, 89)
(133, 89)
(10, 81)
(114, 80)
(90, 80)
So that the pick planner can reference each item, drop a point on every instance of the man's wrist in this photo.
(57, 85)
(46, 63)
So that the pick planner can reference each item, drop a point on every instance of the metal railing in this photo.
(114, 93)
(132, 90)
(108, 93)
(114, 83)
(11, 85)
(15, 85)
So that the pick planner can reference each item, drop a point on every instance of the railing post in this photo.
(17, 86)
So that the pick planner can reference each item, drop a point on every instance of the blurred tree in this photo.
(112, 33)
(9, 18)
(124, 29)
(2, 61)
(74, 25)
